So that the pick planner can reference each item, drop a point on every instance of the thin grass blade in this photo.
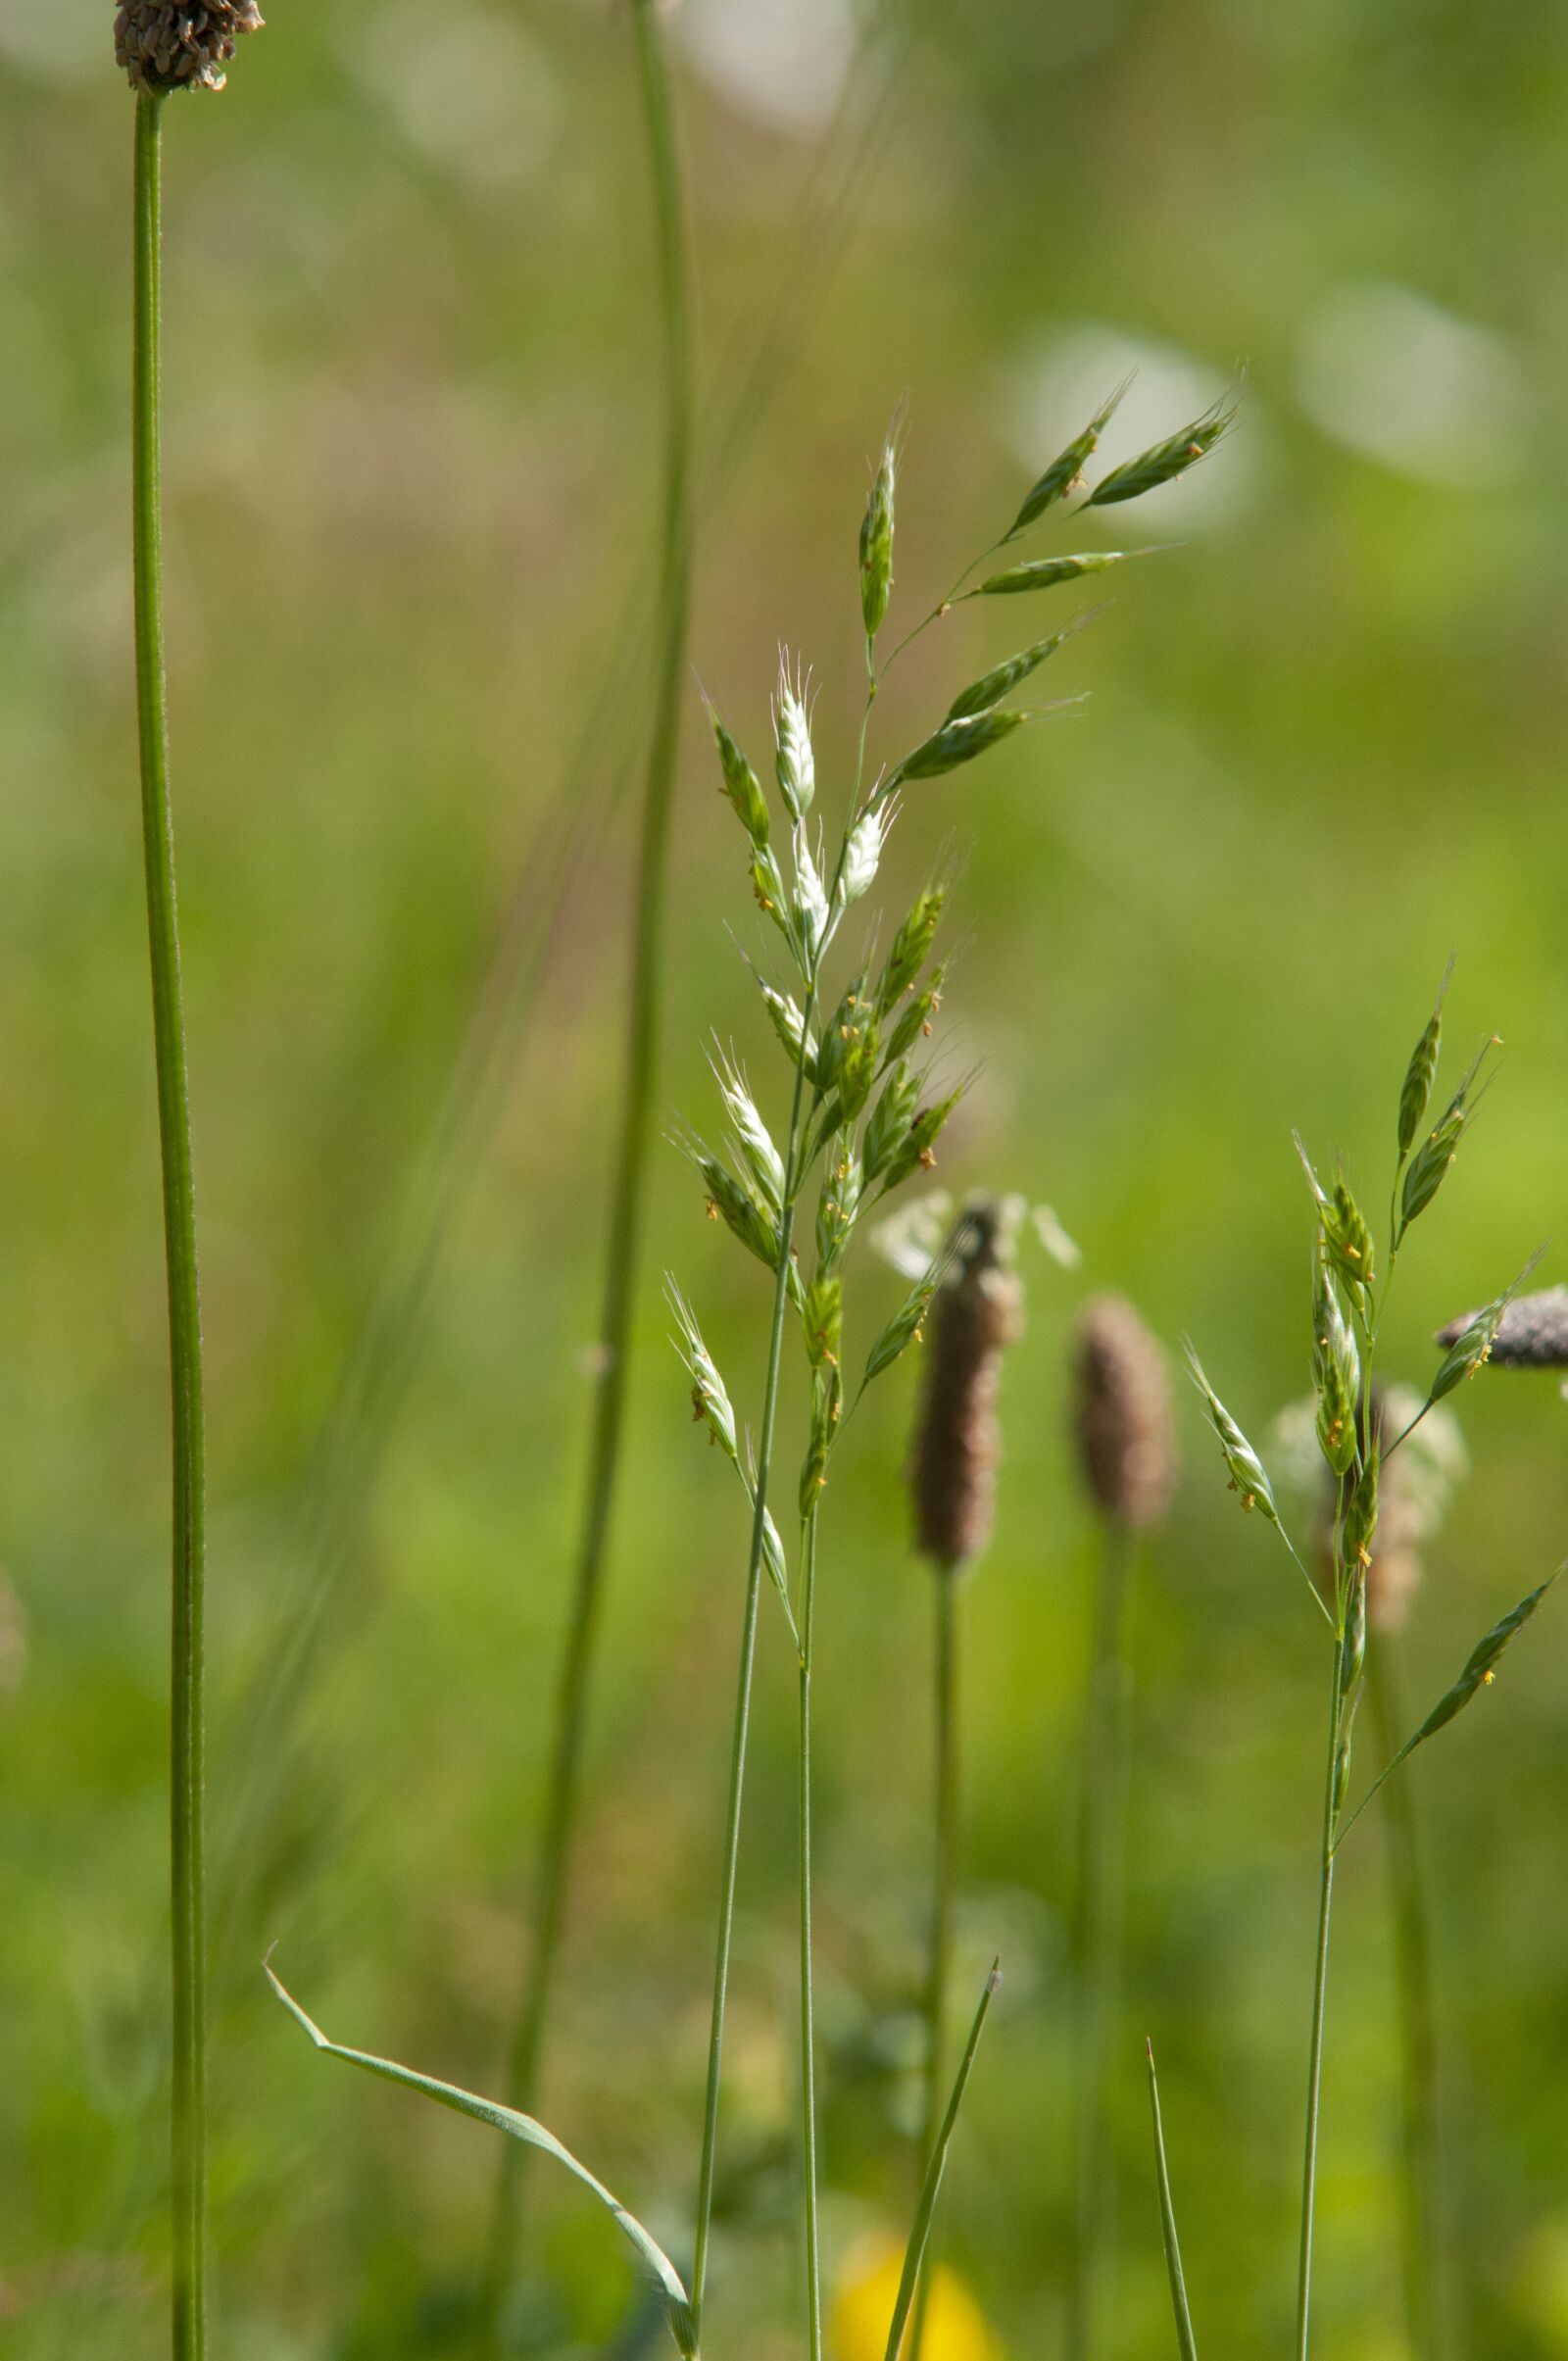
(534, 2135)
(931, 2190)
(1185, 2341)
(1479, 1673)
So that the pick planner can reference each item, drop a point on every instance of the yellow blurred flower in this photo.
(956, 2327)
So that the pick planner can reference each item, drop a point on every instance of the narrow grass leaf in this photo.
(649, 2252)
(931, 2188)
(1186, 2343)
(1479, 1673)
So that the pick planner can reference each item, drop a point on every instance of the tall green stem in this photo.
(814, 2267)
(188, 2115)
(743, 1688)
(1412, 1954)
(1320, 1986)
(638, 1100)
(1095, 1928)
(943, 1890)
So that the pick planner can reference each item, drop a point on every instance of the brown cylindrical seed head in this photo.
(1122, 1415)
(180, 44)
(976, 1313)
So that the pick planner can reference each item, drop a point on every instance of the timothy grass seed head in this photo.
(180, 44)
(1122, 1415)
(976, 1313)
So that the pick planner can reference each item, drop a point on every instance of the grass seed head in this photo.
(1415, 1094)
(795, 764)
(975, 1314)
(991, 687)
(1065, 473)
(876, 544)
(739, 785)
(1043, 573)
(1248, 1476)
(1122, 1415)
(180, 44)
(1531, 1332)
(957, 743)
(1335, 1369)
(1167, 460)
(912, 947)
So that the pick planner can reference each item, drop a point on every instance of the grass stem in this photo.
(1412, 1958)
(188, 2108)
(743, 1689)
(1320, 1983)
(814, 2265)
(638, 1104)
(1095, 1930)
(944, 1891)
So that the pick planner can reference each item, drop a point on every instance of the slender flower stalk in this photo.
(1126, 1453)
(188, 2124)
(1419, 2195)
(866, 1115)
(976, 1314)
(741, 1734)
(628, 1198)
(946, 1827)
(1320, 1987)
(813, 2244)
(1096, 1931)
(1352, 1423)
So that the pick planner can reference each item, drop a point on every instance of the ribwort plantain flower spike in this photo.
(180, 44)
(976, 1313)
(1122, 1415)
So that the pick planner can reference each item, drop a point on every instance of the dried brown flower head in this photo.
(1533, 1333)
(976, 1313)
(1122, 1415)
(180, 44)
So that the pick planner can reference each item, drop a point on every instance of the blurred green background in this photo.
(412, 432)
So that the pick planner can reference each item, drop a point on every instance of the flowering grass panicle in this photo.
(1122, 1415)
(180, 44)
(1366, 1456)
(861, 1115)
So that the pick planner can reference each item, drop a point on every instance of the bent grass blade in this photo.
(646, 2248)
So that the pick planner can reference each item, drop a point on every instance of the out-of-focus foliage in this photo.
(410, 451)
